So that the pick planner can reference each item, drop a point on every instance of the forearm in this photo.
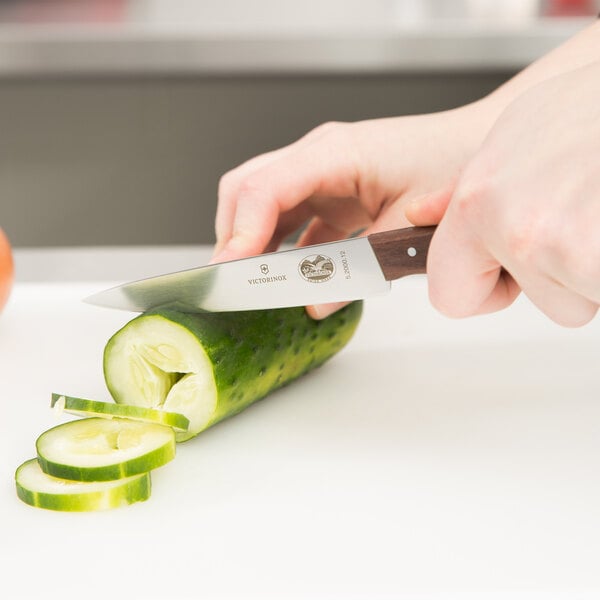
(578, 51)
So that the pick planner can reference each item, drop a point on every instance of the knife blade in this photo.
(350, 269)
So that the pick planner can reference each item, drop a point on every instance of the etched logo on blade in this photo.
(317, 268)
(264, 269)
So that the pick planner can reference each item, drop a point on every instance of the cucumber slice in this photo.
(98, 449)
(93, 408)
(37, 488)
(210, 366)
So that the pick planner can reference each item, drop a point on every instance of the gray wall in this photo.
(126, 161)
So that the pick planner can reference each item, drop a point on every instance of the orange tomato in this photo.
(7, 269)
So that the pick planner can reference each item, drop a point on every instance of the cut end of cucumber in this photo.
(58, 404)
(36, 488)
(156, 363)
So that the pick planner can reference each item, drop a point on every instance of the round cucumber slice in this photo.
(98, 449)
(39, 489)
(93, 408)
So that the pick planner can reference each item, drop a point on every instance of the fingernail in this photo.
(230, 251)
(413, 204)
(223, 253)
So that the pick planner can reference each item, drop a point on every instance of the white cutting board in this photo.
(430, 459)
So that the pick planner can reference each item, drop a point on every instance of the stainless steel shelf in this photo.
(130, 49)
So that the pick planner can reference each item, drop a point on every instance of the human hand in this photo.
(525, 214)
(343, 178)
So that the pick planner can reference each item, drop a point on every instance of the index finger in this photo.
(464, 277)
(326, 167)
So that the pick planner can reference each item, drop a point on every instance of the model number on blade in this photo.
(345, 266)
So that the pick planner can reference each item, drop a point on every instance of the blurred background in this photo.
(118, 117)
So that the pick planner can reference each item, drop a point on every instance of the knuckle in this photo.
(521, 241)
(250, 188)
(529, 236)
(470, 198)
(332, 132)
(327, 127)
(225, 183)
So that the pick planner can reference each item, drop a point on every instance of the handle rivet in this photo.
(412, 252)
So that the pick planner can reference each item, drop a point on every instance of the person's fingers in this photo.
(333, 219)
(469, 276)
(391, 217)
(428, 209)
(320, 232)
(557, 264)
(326, 168)
(321, 311)
(557, 302)
(228, 186)
(569, 249)
(232, 181)
(464, 278)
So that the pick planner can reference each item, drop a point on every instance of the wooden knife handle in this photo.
(402, 252)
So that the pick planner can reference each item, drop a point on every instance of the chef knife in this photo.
(350, 269)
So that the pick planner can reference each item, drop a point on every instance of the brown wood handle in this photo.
(402, 252)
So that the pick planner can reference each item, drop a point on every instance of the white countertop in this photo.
(430, 459)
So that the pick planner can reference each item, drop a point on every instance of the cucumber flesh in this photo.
(99, 449)
(159, 364)
(36, 488)
(93, 408)
(210, 366)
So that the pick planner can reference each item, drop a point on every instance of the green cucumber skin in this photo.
(110, 410)
(256, 352)
(137, 491)
(136, 466)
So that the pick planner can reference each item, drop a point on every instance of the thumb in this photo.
(429, 209)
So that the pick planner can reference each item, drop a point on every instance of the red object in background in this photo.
(7, 270)
(570, 8)
(64, 11)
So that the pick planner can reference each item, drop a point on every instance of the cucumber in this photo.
(93, 408)
(98, 449)
(210, 366)
(39, 489)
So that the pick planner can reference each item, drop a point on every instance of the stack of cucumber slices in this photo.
(101, 461)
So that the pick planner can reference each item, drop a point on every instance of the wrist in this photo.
(474, 121)
(578, 51)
